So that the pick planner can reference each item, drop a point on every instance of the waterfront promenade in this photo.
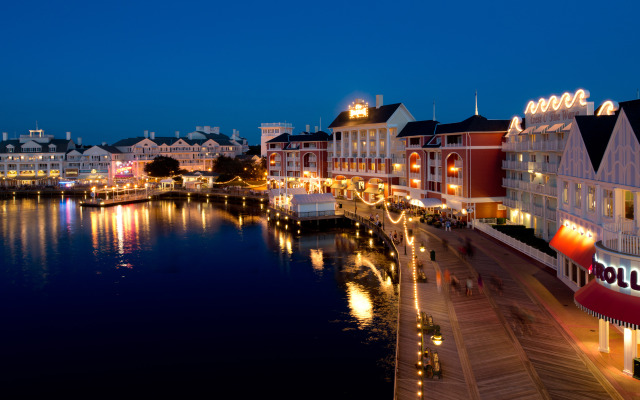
(487, 352)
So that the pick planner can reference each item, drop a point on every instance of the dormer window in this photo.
(52, 149)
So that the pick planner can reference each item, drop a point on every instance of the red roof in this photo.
(572, 244)
(615, 307)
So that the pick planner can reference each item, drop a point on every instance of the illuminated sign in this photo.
(124, 170)
(558, 109)
(71, 172)
(359, 109)
(615, 276)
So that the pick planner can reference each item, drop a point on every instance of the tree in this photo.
(162, 166)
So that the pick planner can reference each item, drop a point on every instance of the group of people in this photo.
(397, 239)
(375, 219)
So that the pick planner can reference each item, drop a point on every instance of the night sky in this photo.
(105, 71)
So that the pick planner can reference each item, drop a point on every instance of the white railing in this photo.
(536, 254)
(620, 236)
(511, 203)
(551, 214)
(414, 175)
(538, 210)
(414, 146)
(454, 181)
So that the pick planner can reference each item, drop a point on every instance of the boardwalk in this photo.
(488, 352)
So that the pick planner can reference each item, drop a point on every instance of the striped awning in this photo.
(540, 128)
(372, 189)
(337, 185)
(528, 130)
(615, 307)
(555, 127)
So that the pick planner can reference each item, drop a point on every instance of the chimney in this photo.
(216, 129)
(378, 100)
(316, 128)
(68, 135)
(153, 135)
(207, 129)
(146, 134)
(307, 128)
(79, 141)
(5, 136)
(177, 134)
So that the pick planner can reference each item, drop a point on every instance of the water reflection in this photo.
(360, 304)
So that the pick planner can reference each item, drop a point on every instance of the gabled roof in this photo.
(596, 132)
(376, 116)
(62, 145)
(320, 136)
(433, 143)
(128, 141)
(632, 110)
(475, 123)
(418, 128)
(110, 149)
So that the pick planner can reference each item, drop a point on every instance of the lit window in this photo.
(607, 203)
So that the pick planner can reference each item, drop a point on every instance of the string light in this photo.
(555, 103)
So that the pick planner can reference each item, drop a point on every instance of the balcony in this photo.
(551, 214)
(454, 181)
(511, 203)
(414, 146)
(538, 211)
(621, 237)
(414, 175)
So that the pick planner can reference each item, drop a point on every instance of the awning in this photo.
(554, 127)
(540, 128)
(528, 130)
(456, 205)
(575, 246)
(372, 190)
(426, 202)
(568, 127)
(615, 307)
(337, 185)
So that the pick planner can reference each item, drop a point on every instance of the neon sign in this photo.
(124, 170)
(359, 109)
(614, 276)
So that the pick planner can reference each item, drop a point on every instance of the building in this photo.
(455, 165)
(269, 131)
(298, 160)
(196, 152)
(102, 165)
(598, 239)
(33, 159)
(365, 154)
(533, 150)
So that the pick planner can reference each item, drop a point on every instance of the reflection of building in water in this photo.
(317, 261)
(360, 304)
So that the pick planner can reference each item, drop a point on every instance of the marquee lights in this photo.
(516, 123)
(359, 109)
(607, 108)
(543, 104)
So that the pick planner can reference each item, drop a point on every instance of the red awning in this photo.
(572, 244)
(615, 307)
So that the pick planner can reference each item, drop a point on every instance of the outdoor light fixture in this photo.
(437, 338)
(422, 248)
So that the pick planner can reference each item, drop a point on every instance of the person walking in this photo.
(447, 226)
(438, 280)
(447, 276)
(480, 284)
(469, 286)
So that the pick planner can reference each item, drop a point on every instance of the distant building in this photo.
(269, 131)
(34, 158)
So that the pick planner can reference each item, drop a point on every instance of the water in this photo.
(175, 297)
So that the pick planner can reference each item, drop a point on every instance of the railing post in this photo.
(619, 239)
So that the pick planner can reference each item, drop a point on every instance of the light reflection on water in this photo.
(172, 269)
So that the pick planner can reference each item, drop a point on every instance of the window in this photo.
(565, 192)
(533, 158)
(591, 198)
(577, 195)
(607, 203)
(566, 267)
(583, 278)
(546, 158)
(628, 204)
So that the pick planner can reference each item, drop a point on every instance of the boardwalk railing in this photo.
(307, 214)
(536, 254)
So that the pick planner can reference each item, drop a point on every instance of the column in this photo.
(334, 145)
(377, 142)
(341, 144)
(359, 141)
(630, 350)
(603, 336)
(368, 145)
(387, 144)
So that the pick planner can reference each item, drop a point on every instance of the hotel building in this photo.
(298, 160)
(34, 158)
(456, 165)
(598, 241)
(365, 153)
(271, 130)
(533, 150)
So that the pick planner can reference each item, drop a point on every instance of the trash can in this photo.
(432, 253)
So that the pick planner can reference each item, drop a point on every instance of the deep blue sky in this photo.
(110, 70)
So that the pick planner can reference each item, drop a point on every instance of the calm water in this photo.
(188, 297)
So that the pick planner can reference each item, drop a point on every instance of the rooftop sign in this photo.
(556, 110)
(359, 109)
